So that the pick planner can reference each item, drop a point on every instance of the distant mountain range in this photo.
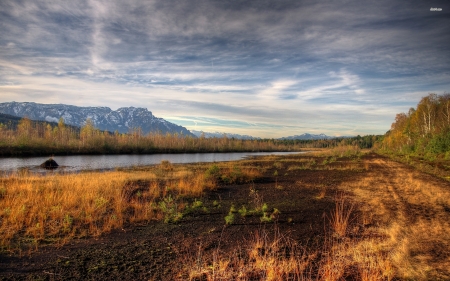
(219, 135)
(307, 136)
(304, 136)
(123, 119)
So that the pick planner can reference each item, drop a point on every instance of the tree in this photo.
(427, 108)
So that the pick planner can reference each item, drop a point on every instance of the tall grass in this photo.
(57, 207)
(340, 217)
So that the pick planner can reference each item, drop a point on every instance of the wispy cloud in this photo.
(271, 68)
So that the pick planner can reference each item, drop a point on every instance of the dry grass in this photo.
(410, 214)
(401, 232)
(57, 207)
(271, 258)
(276, 257)
(340, 218)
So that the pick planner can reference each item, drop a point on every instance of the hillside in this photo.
(123, 120)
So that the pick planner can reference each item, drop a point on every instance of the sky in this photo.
(256, 67)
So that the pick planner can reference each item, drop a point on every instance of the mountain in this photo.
(9, 119)
(123, 119)
(11, 122)
(307, 136)
(219, 135)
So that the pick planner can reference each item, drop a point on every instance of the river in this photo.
(76, 163)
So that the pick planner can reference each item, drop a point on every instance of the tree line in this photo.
(29, 137)
(23, 136)
(422, 131)
(363, 142)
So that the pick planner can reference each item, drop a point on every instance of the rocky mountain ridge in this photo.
(122, 120)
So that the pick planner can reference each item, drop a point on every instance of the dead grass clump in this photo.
(340, 218)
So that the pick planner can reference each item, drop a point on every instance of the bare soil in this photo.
(304, 197)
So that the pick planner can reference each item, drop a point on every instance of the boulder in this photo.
(49, 164)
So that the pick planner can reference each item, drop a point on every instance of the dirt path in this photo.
(412, 210)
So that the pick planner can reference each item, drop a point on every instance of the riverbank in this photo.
(343, 215)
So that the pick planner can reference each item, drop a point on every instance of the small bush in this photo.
(243, 211)
(229, 219)
(169, 208)
(213, 173)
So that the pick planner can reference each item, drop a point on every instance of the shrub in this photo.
(213, 172)
(229, 219)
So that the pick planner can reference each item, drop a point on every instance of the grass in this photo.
(340, 218)
(376, 232)
(57, 207)
(271, 255)
(391, 224)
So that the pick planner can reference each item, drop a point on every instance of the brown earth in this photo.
(392, 203)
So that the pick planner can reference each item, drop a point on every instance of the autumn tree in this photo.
(424, 130)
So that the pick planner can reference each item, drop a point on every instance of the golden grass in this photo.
(340, 218)
(57, 207)
(411, 214)
(266, 258)
(401, 232)
(276, 257)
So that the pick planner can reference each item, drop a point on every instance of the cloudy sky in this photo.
(267, 68)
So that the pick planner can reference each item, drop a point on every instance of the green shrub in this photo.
(243, 211)
(213, 172)
(169, 208)
(229, 219)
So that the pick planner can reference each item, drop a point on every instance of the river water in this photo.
(78, 163)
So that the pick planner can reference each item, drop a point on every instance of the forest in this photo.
(24, 137)
(423, 131)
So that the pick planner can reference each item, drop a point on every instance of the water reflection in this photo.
(105, 162)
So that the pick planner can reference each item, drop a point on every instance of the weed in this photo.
(197, 204)
(216, 204)
(267, 216)
(67, 223)
(243, 211)
(169, 208)
(213, 173)
(229, 219)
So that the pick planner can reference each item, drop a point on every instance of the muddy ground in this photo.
(159, 251)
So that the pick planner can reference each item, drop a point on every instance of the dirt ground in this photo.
(409, 210)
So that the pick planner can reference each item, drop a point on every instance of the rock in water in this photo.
(49, 164)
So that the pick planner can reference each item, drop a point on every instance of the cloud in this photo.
(328, 66)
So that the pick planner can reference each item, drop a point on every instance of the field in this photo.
(334, 215)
